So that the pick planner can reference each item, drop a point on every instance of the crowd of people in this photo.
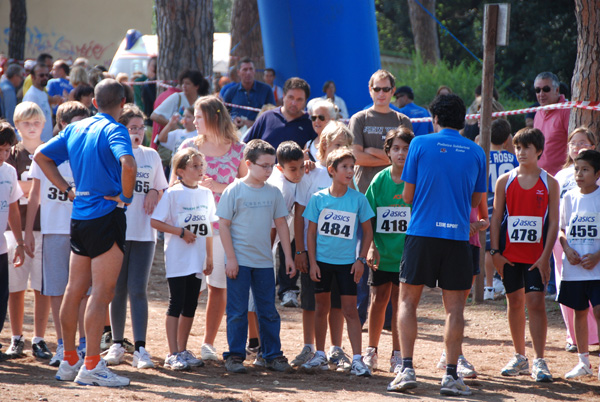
(346, 222)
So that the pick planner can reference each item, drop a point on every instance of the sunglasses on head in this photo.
(314, 117)
(384, 89)
(545, 89)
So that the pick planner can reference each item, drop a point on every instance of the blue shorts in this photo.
(579, 294)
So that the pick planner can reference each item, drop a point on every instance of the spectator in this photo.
(59, 86)
(404, 100)
(321, 112)
(85, 93)
(9, 85)
(37, 94)
(44, 59)
(269, 77)
(443, 90)
(329, 89)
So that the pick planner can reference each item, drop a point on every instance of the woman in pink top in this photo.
(217, 140)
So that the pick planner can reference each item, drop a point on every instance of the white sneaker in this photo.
(359, 368)
(465, 369)
(488, 293)
(208, 352)
(317, 362)
(290, 299)
(191, 359)
(175, 362)
(396, 362)
(370, 358)
(100, 376)
(58, 356)
(452, 387)
(142, 359)
(442, 363)
(498, 286)
(115, 354)
(66, 372)
(579, 371)
(404, 380)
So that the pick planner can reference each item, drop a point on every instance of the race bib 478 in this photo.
(525, 229)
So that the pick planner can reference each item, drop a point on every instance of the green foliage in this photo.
(222, 15)
(393, 25)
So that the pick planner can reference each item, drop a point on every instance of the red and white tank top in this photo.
(527, 211)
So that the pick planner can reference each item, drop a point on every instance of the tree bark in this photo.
(18, 23)
(246, 37)
(585, 84)
(424, 30)
(185, 37)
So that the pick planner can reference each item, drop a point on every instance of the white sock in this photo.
(320, 353)
(584, 358)
(37, 339)
(356, 357)
(16, 337)
(311, 346)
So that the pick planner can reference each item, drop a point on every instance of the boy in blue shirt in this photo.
(251, 205)
(334, 214)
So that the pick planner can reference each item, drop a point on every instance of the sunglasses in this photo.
(545, 89)
(384, 89)
(314, 117)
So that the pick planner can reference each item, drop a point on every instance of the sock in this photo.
(584, 358)
(107, 328)
(406, 363)
(311, 346)
(253, 343)
(71, 357)
(139, 344)
(91, 362)
(16, 338)
(356, 357)
(37, 339)
(451, 370)
(60, 342)
(120, 342)
(320, 353)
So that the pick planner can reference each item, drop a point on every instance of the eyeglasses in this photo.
(266, 167)
(580, 144)
(545, 89)
(384, 89)
(133, 129)
(314, 117)
(42, 75)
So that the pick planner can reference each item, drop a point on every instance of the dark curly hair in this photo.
(450, 111)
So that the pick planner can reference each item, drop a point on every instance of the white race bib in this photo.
(525, 229)
(392, 219)
(142, 181)
(53, 194)
(195, 222)
(336, 223)
(583, 226)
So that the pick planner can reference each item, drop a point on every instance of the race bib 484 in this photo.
(336, 223)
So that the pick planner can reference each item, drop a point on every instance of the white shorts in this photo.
(217, 278)
(30, 271)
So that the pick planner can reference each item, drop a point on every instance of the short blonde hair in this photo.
(28, 111)
(330, 132)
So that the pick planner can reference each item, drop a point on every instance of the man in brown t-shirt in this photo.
(370, 127)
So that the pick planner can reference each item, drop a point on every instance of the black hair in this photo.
(108, 94)
(255, 148)
(500, 131)
(270, 70)
(296, 83)
(197, 79)
(590, 156)
(289, 151)
(81, 91)
(43, 57)
(527, 136)
(7, 133)
(64, 66)
(402, 133)
(244, 60)
(450, 111)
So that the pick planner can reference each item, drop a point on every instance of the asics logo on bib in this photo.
(144, 175)
(523, 222)
(336, 217)
(582, 219)
(394, 214)
(194, 218)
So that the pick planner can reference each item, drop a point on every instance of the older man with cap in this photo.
(404, 100)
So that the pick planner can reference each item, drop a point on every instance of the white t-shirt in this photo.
(149, 175)
(194, 209)
(288, 190)
(316, 180)
(10, 192)
(40, 98)
(579, 218)
(55, 206)
(175, 103)
(176, 137)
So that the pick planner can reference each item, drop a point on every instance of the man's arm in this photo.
(128, 174)
(365, 159)
(475, 199)
(50, 169)
(408, 194)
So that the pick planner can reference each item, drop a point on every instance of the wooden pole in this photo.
(487, 89)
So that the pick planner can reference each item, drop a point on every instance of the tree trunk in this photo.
(424, 30)
(585, 84)
(18, 22)
(246, 38)
(185, 37)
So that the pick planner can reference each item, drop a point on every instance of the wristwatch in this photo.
(494, 251)
(301, 252)
(362, 259)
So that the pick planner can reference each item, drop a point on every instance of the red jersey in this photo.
(526, 214)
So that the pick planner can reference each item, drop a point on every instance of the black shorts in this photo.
(518, 277)
(307, 293)
(579, 294)
(94, 237)
(340, 273)
(377, 278)
(435, 262)
(475, 254)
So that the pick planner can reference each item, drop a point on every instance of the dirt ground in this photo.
(487, 345)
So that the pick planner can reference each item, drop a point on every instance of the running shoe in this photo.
(208, 352)
(442, 363)
(252, 350)
(41, 350)
(235, 364)
(498, 286)
(571, 348)
(259, 361)
(516, 366)
(142, 359)
(452, 387)
(280, 364)
(100, 376)
(488, 293)
(190, 358)
(396, 362)
(370, 358)
(15, 349)
(106, 341)
(66, 372)
(318, 362)
(579, 371)
(305, 355)
(175, 362)
(340, 359)
(290, 299)
(115, 354)
(58, 356)
(540, 371)
(128, 345)
(405, 380)
(359, 368)
(465, 369)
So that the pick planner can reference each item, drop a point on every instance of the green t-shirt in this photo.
(392, 215)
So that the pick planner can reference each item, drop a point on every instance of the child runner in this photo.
(29, 121)
(580, 282)
(579, 139)
(251, 206)
(528, 199)
(333, 136)
(171, 137)
(10, 193)
(184, 214)
(140, 242)
(55, 219)
(391, 219)
(334, 216)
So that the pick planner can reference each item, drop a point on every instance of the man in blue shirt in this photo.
(445, 176)
(404, 99)
(104, 170)
(9, 84)
(59, 86)
(247, 92)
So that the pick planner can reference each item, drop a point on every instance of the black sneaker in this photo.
(41, 350)
(15, 349)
